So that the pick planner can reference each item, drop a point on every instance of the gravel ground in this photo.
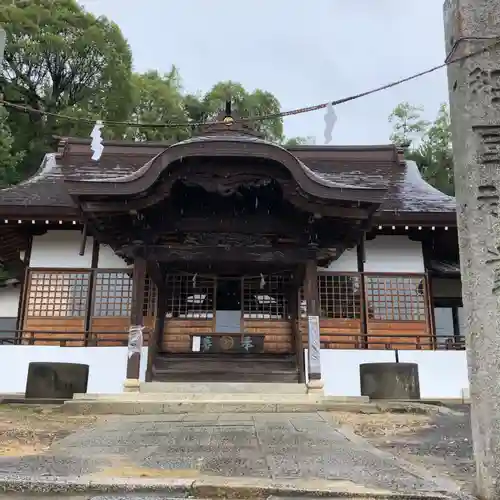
(31, 429)
(442, 443)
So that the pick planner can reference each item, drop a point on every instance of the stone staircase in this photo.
(225, 368)
(210, 397)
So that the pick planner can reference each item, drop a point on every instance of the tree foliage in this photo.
(9, 159)
(428, 143)
(299, 141)
(157, 98)
(61, 59)
(201, 108)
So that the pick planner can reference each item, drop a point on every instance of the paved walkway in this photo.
(446, 447)
(275, 446)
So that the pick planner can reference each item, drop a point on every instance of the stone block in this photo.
(390, 380)
(47, 380)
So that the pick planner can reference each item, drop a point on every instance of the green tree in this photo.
(159, 99)
(61, 59)
(9, 160)
(202, 108)
(299, 141)
(407, 123)
(428, 144)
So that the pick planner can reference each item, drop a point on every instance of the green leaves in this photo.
(160, 99)
(430, 143)
(9, 159)
(61, 59)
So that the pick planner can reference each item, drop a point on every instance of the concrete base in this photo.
(158, 407)
(216, 397)
(221, 388)
(315, 387)
(131, 385)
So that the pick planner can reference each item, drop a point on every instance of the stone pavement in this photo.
(445, 447)
(269, 446)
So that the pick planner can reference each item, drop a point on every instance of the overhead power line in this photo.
(495, 42)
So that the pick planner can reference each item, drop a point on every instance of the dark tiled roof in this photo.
(410, 193)
(368, 166)
(445, 268)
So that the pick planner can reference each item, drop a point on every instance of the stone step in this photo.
(208, 398)
(223, 387)
(288, 377)
(79, 407)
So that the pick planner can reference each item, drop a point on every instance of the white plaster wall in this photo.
(347, 262)
(442, 374)
(384, 254)
(107, 365)
(61, 249)
(9, 301)
(393, 254)
(109, 260)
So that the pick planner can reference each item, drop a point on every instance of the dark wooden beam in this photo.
(311, 294)
(332, 209)
(136, 319)
(156, 274)
(275, 254)
(155, 340)
(24, 285)
(361, 255)
(90, 302)
(245, 225)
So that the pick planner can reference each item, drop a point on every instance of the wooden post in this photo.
(361, 254)
(155, 339)
(294, 308)
(312, 301)
(135, 337)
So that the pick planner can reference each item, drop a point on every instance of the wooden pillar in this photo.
(361, 254)
(21, 310)
(155, 340)
(135, 337)
(91, 293)
(312, 302)
(294, 310)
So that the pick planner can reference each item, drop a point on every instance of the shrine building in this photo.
(225, 257)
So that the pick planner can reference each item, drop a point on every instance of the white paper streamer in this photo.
(262, 281)
(330, 120)
(96, 145)
(135, 339)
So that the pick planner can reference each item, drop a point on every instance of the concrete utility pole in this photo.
(474, 86)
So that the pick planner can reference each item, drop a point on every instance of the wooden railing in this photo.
(342, 341)
(75, 307)
(68, 338)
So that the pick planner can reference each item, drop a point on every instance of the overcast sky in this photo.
(305, 52)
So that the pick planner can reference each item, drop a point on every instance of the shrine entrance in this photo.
(227, 204)
(228, 328)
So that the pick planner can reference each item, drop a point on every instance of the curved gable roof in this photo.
(234, 145)
(409, 196)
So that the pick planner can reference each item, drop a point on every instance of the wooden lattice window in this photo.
(395, 298)
(190, 297)
(339, 296)
(58, 293)
(265, 297)
(150, 298)
(112, 293)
